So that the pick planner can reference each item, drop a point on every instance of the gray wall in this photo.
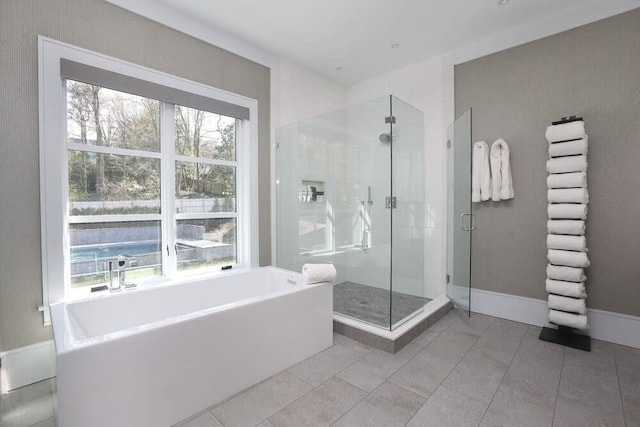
(102, 27)
(592, 71)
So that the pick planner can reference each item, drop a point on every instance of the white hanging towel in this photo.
(569, 148)
(568, 195)
(568, 258)
(567, 210)
(567, 180)
(565, 131)
(574, 305)
(573, 227)
(567, 274)
(501, 171)
(567, 164)
(568, 289)
(480, 173)
(567, 243)
(576, 321)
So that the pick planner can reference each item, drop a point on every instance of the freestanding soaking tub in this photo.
(153, 357)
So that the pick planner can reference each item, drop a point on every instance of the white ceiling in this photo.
(357, 34)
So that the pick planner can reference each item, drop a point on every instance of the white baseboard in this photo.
(26, 365)
(603, 325)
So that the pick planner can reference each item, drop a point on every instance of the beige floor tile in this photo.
(373, 369)
(448, 408)
(319, 368)
(539, 352)
(205, 419)
(28, 413)
(261, 401)
(628, 366)
(322, 406)
(389, 405)
(501, 340)
(477, 324)
(452, 344)
(532, 382)
(577, 413)
(476, 376)
(424, 373)
(509, 410)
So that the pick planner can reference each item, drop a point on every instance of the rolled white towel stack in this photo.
(567, 180)
(567, 164)
(567, 211)
(567, 243)
(576, 321)
(569, 148)
(567, 274)
(568, 289)
(568, 258)
(318, 273)
(572, 305)
(572, 227)
(565, 132)
(568, 197)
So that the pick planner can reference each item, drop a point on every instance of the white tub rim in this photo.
(66, 342)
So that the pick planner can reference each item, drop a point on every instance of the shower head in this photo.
(385, 138)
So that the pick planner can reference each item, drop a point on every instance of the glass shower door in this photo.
(408, 212)
(366, 291)
(460, 223)
(333, 176)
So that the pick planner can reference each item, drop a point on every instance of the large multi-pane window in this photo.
(126, 167)
(138, 163)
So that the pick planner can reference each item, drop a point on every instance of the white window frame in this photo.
(53, 163)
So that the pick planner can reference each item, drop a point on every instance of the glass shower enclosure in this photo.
(350, 191)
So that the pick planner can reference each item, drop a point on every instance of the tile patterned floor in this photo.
(481, 371)
(372, 305)
(30, 406)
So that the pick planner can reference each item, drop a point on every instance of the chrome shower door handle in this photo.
(472, 222)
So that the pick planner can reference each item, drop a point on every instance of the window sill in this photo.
(83, 294)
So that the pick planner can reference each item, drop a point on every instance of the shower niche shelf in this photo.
(311, 192)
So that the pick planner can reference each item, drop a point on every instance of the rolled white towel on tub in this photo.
(576, 321)
(568, 258)
(568, 195)
(567, 211)
(565, 131)
(318, 273)
(574, 305)
(567, 164)
(567, 243)
(568, 289)
(573, 227)
(567, 274)
(567, 180)
(569, 148)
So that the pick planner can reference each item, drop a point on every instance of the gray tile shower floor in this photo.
(481, 371)
(372, 304)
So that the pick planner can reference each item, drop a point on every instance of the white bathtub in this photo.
(153, 357)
